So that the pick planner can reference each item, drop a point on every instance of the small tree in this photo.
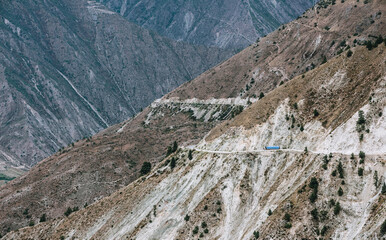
(190, 155)
(187, 217)
(314, 214)
(146, 168)
(261, 95)
(204, 225)
(316, 113)
(269, 212)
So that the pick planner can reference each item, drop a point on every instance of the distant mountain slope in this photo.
(69, 69)
(231, 188)
(97, 167)
(225, 24)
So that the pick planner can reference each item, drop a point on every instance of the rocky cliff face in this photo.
(230, 188)
(68, 70)
(225, 24)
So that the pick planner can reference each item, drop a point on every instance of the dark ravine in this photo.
(70, 69)
(225, 24)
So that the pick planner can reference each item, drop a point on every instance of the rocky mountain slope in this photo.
(94, 168)
(69, 70)
(225, 24)
(230, 188)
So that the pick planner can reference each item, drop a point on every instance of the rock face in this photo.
(68, 70)
(97, 167)
(229, 187)
(225, 24)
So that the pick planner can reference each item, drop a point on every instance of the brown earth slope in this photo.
(228, 194)
(93, 169)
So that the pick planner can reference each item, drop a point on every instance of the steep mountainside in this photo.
(225, 24)
(230, 188)
(97, 167)
(70, 69)
(295, 48)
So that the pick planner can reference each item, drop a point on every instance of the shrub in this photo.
(256, 234)
(313, 183)
(314, 214)
(201, 235)
(360, 171)
(187, 217)
(43, 218)
(352, 156)
(269, 212)
(68, 212)
(383, 191)
(362, 155)
(340, 191)
(287, 217)
(146, 168)
(349, 53)
(313, 196)
(340, 170)
(173, 163)
(204, 225)
(323, 231)
(190, 155)
(206, 230)
(333, 173)
(31, 223)
(337, 208)
(316, 113)
(383, 228)
(288, 225)
(195, 230)
(261, 95)
(301, 128)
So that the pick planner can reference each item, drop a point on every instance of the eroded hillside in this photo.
(229, 187)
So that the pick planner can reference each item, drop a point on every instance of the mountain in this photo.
(97, 167)
(225, 24)
(231, 188)
(69, 70)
